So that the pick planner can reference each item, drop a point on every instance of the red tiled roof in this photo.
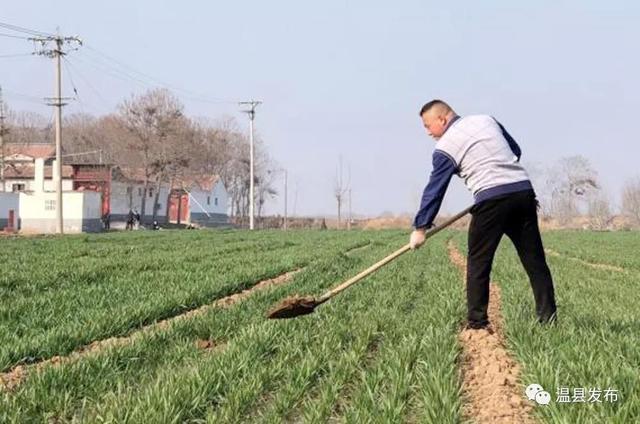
(129, 174)
(204, 182)
(34, 150)
(28, 171)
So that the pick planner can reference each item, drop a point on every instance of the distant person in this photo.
(137, 219)
(106, 221)
(130, 220)
(478, 149)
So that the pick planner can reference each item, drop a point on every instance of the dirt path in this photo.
(606, 267)
(12, 378)
(490, 376)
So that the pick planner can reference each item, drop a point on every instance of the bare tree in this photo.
(152, 120)
(225, 152)
(340, 189)
(631, 200)
(599, 212)
(90, 140)
(28, 127)
(265, 179)
(570, 183)
(150, 134)
(538, 176)
(214, 141)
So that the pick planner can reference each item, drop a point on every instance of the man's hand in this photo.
(417, 238)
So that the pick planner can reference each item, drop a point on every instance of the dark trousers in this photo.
(516, 216)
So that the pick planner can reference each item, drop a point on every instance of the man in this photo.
(136, 218)
(479, 150)
(106, 221)
(130, 218)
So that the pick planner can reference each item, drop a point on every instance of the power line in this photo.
(128, 77)
(75, 90)
(109, 58)
(15, 55)
(82, 104)
(154, 81)
(86, 81)
(100, 67)
(13, 36)
(23, 30)
(27, 97)
(114, 72)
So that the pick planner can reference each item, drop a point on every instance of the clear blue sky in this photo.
(347, 78)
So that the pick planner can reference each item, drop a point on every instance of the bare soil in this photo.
(606, 267)
(12, 378)
(490, 376)
(293, 306)
(208, 345)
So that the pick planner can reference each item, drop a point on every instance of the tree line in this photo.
(151, 134)
(571, 188)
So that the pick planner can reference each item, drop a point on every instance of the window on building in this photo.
(150, 192)
(208, 200)
(49, 205)
(129, 190)
(17, 187)
(215, 201)
(139, 191)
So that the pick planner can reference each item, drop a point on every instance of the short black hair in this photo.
(427, 106)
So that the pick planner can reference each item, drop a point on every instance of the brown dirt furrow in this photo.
(12, 378)
(606, 267)
(490, 376)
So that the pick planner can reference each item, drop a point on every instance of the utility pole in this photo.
(349, 223)
(56, 53)
(285, 200)
(295, 199)
(252, 113)
(2, 132)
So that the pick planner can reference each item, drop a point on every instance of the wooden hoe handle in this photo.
(328, 295)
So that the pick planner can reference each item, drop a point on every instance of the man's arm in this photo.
(512, 142)
(443, 169)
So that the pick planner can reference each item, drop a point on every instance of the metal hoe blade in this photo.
(293, 307)
(297, 305)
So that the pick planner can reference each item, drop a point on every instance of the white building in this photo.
(19, 167)
(9, 210)
(201, 200)
(127, 189)
(35, 209)
(194, 200)
(206, 200)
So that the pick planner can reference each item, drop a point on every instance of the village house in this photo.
(201, 200)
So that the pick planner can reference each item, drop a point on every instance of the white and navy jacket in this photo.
(480, 151)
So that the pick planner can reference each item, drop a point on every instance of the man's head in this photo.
(436, 116)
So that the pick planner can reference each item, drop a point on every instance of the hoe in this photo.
(295, 306)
